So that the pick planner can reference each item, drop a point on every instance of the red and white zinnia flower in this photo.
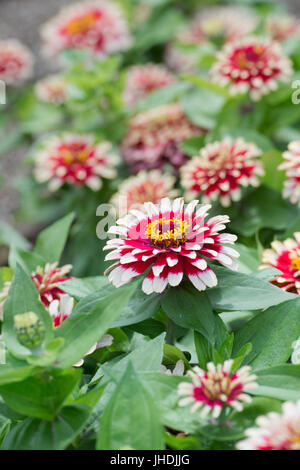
(275, 431)
(230, 22)
(142, 79)
(285, 256)
(16, 62)
(291, 188)
(97, 25)
(252, 64)
(146, 186)
(52, 89)
(154, 138)
(169, 240)
(74, 159)
(216, 388)
(221, 169)
(47, 280)
(281, 27)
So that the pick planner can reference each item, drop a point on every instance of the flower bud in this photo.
(30, 330)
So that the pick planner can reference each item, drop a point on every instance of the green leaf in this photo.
(190, 308)
(193, 145)
(146, 357)
(138, 308)
(271, 334)
(205, 84)
(238, 291)
(163, 389)
(273, 178)
(35, 434)
(10, 374)
(130, 418)
(40, 396)
(282, 382)
(23, 297)
(202, 107)
(262, 208)
(83, 329)
(9, 236)
(28, 260)
(203, 349)
(51, 241)
(80, 288)
(164, 95)
(248, 260)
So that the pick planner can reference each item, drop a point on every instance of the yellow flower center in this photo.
(296, 263)
(70, 156)
(166, 233)
(295, 441)
(81, 25)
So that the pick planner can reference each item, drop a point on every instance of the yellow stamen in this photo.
(296, 263)
(81, 25)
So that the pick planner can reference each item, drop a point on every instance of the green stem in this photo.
(170, 336)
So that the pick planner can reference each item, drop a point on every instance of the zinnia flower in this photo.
(169, 240)
(221, 169)
(97, 25)
(52, 89)
(47, 280)
(275, 431)
(285, 256)
(146, 186)
(216, 388)
(252, 64)
(281, 27)
(230, 22)
(154, 138)
(141, 79)
(16, 62)
(291, 188)
(75, 159)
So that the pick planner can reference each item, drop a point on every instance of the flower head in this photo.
(146, 186)
(75, 159)
(154, 138)
(280, 28)
(291, 188)
(275, 431)
(52, 89)
(285, 256)
(47, 280)
(169, 240)
(16, 62)
(221, 169)
(142, 79)
(230, 22)
(252, 64)
(216, 388)
(97, 25)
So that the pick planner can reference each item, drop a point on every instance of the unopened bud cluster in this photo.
(30, 330)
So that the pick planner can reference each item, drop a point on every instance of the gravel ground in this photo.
(21, 19)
